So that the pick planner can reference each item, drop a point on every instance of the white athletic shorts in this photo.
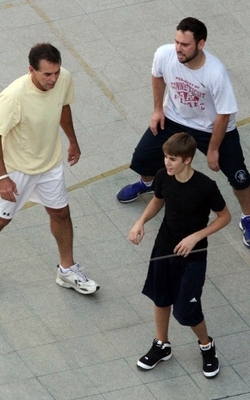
(47, 189)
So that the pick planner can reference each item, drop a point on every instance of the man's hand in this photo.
(8, 190)
(213, 160)
(157, 121)
(74, 153)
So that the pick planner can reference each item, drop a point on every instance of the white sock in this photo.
(148, 184)
(64, 270)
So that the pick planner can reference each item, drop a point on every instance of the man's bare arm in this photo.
(218, 134)
(158, 117)
(66, 123)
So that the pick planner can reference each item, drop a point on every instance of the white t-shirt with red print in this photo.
(195, 96)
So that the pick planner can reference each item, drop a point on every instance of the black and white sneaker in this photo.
(158, 352)
(211, 365)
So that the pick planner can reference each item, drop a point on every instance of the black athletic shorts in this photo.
(177, 281)
(148, 156)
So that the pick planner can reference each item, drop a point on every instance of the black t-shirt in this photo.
(187, 209)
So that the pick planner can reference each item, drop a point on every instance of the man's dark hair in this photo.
(195, 26)
(180, 145)
(44, 51)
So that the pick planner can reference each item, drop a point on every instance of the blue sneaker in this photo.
(131, 192)
(245, 227)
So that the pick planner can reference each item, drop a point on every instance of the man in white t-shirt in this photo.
(32, 109)
(200, 101)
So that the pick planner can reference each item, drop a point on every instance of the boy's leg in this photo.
(200, 331)
(211, 365)
(157, 287)
(160, 350)
(187, 310)
(162, 315)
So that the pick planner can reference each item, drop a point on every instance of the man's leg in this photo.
(147, 159)
(4, 222)
(69, 274)
(232, 164)
(243, 197)
(62, 230)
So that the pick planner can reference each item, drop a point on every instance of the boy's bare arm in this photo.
(137, 232)
(187, 244)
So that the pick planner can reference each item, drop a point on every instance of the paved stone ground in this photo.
(55, 343)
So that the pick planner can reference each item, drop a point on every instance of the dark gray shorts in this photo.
(177, 281)
(148, 155)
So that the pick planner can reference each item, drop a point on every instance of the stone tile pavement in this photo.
(55, 343)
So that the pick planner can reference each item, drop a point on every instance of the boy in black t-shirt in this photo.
(177, 267)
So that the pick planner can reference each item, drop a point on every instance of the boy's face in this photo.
(175, 164)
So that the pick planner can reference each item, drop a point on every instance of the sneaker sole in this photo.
(127, 201)
(148, 367)
(247, 244)
(66, 285)
(135, 198)
(211, 375)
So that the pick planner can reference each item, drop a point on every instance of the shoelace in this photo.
(80, 275)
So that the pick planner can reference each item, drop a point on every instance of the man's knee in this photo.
(60, 213)
(4, 222)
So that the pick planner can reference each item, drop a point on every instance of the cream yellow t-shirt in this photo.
(29, 123)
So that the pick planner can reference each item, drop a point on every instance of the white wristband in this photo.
(4, 176)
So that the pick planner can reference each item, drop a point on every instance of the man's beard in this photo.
(190, 58)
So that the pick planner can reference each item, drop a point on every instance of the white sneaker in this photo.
(75, 279)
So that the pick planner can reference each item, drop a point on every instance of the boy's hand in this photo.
(186, 245)
(136, 234)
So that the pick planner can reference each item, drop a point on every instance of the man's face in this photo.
(186, 47)
(46, 76)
